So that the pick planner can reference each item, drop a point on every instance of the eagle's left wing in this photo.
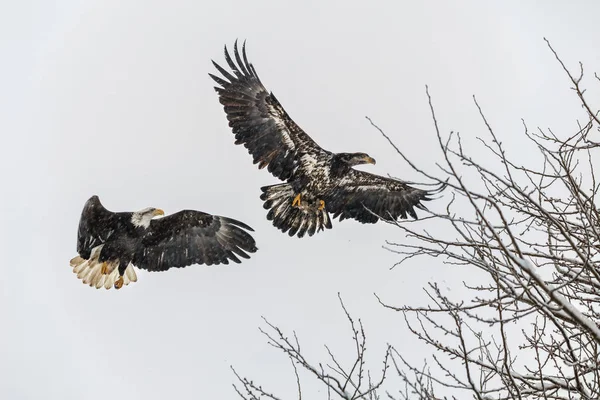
(96, 226)
(193, 237)
(364, 197)
(259, 121)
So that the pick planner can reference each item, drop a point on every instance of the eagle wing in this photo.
(367, 197)
(193, 237)
(259, 121)
(96, 225)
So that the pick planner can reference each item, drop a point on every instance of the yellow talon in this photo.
(296, 201)
(321, 205)
(104, 269)
(119, 283)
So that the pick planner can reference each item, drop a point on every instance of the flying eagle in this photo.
(111, 244)
(318, 182)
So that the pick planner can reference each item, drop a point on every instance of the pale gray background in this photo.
(113, 98)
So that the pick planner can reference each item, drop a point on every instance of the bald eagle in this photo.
(318, 182)
(111, 244)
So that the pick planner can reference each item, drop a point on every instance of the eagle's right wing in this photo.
(259, 121)
(96, 225)
(193, 237)
(368, 197)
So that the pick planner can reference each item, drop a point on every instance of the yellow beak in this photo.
(369, 160)
(158, 211)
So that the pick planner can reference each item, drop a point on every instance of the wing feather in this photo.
(97, 225)
(245, 71)
(193, 237)
(259, 121)
(367, 197)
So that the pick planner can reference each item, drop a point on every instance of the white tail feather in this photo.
(90, 271)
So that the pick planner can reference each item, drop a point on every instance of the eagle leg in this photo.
(321, 205)
(119, 282)
(296, 201)
(104, 269)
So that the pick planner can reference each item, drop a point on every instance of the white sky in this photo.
(113, 98)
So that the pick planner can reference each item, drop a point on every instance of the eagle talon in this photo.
(104, 269)
(296, 202)
(321, 205)
(119, 283)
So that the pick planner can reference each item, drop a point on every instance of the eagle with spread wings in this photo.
(317, 182)
(110, 244)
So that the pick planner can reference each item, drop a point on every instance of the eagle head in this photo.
(142, 218)
(353, 159)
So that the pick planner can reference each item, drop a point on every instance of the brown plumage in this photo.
(318, 182)
(110, 244)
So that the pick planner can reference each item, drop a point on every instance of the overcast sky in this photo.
(113, 98)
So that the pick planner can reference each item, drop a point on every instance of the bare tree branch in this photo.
(348, 383)
(535, 233)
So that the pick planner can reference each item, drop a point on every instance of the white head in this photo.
(142, 218)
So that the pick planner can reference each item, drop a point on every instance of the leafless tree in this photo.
(533, 236)
(351, 382)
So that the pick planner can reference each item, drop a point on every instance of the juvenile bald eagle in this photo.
(319, 182)
(111, 244)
